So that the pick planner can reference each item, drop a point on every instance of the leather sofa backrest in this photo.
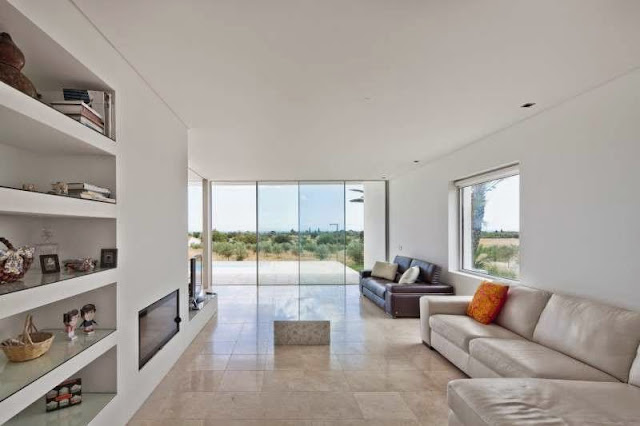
(403, 263)
(600, 335)
(522, 310)
(429, 273)
(634, 375)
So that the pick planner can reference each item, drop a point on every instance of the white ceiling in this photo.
(354, 89)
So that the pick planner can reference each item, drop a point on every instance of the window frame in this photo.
(502, 172)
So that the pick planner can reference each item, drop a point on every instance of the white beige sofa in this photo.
(548, 359)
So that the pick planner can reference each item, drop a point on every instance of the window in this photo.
(490, 223)
(194, 235)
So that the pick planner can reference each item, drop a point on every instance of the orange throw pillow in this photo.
(487, 302)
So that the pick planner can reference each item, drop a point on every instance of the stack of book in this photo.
(80, 111)
(90, 192)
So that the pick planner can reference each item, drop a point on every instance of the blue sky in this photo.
(322, 206)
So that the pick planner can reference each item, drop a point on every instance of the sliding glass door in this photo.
(278, 233)
(233, 235)
(296, 233)
(322, 233)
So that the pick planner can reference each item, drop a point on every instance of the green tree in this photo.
(355, 251)
(217, 236)
(240, 251)
(224, 249)
(277, 248)
(322, 252)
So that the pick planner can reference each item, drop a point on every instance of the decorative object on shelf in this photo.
(31, 344)
(109, 258)
(29, 187)
(80, 265)
(88, 313)
(14, 263)
(11, 64)
(49, 263)
(70, 320)
(66, 394)
(92, 108)
(59, 188)
(90, 192)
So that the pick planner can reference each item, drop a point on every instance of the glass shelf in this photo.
(34, 278)
(16, 375)
(78, 415)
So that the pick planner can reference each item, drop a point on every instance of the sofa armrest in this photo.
(365, 273)
(434, 305)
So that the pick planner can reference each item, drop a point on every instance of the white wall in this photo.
(580, 203)
(152, 199)
(375, 222)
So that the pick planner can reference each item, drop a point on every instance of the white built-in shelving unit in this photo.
(39, 145)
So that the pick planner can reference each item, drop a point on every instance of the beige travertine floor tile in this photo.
(222, 347)
(368, 422)
(304, 380)
(249, 381)
(383, 405)
(388, 380)
(430, 407)
(311, 405)
(263, 422)
(208, 362)
(236, 405)
(248, 362)
(189, 381)
(440, 379)
(303, 362)
(167, 422)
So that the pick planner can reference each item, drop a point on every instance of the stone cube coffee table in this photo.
(301, 332)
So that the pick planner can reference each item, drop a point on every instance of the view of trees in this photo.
(344, 247)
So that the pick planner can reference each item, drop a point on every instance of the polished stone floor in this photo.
(375, 372)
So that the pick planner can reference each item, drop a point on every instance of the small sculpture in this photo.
(29, 187)
(88, 313)
(11, 64)
(80, 265)
(70, 320)
(60, 188)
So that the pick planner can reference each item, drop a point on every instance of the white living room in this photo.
(319, 213)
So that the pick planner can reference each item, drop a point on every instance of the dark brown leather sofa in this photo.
(403, 300)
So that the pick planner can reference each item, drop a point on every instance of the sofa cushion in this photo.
(461, 329)
(377, 286)
(384, 270)
(522, 358)
(403, 263)
(504, 402)
(487, 302)
(429, 273)
(409, 276)
(600, 335)
(522, 309)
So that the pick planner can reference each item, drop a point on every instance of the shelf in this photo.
(30, 124)
(17, 201)
(36, 288)
(208, 298)
(78, 415)
(64, 359)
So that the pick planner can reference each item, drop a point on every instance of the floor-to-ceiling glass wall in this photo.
(278, 261)
(233, 233)
(322, 234)
(290, 233)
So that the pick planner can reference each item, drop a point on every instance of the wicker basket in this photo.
(8, 277)
(34, 343)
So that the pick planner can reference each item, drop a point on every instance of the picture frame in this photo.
(49, 263)
(109, 258)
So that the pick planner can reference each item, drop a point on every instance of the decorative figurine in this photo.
(80, 265)
(88, 313)
(29, 187)
(60, 188)
(70, 320)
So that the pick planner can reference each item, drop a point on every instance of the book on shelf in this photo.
(88, 195)
(85, 121)
(97, 106)
(83, 186)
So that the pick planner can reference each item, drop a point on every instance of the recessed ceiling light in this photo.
(527, 105)
(416, 161)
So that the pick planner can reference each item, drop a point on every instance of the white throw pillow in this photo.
(384, 270)
(410, 275)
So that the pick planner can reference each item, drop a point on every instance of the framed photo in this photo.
(109, 258)
(49, 263)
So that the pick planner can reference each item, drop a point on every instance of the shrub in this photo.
(355, 251)
(224, 249)
(322, 252)
(240, 251)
